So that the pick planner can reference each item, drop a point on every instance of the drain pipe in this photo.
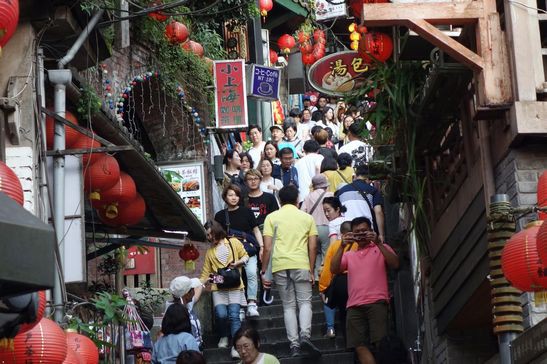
(60, 78)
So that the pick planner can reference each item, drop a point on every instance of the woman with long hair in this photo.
(344, 130)
(247, 162)
(340, 176)
(270, 152)
(269, 184)
(224, 252)
(247, 343)
(233, 174)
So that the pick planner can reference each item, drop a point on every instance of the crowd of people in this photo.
(300, 209)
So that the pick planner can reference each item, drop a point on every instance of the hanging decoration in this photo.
(10, 184)
(308, 58)
(193, 113)
(41, 309)
(9, 17)
(520, 261)
(193, 47)
(157, 15)
(354, 36)
(72, 357)
(273, 57)
(265, 6)
(541, 243)
(312, 43)
(85, 142)
(101, 176)
(44, 343)
(128, 213)
(176, 32)
(189, 253)
(285, 43)
(542, 195)
(122, 192)
(83, 346)
(375, 46)
(71, 135)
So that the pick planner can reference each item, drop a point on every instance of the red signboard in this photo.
(140, 261)
(230, 94)
(338, 74)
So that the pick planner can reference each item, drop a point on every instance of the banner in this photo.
(230, 94)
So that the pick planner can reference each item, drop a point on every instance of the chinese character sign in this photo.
(338, 74)
(230, 94)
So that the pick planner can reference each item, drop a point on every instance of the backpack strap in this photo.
(317, 202)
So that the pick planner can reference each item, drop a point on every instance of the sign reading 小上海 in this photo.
(327, 10)
(338, 74)
(263, 82)
(230, 94)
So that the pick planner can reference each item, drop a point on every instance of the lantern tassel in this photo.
(6, 343)
(190, 265)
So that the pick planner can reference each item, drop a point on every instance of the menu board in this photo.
(187, 180)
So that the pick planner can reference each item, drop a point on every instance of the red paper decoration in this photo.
(357, 6)
(101, 176)
(71, 135)
(302, 36)
(273, 56)
(520, 260)
(542, 195)
(319, 36)
(541, 243)
(306, 48)
(9, 17)
(84, 142)
(265, 6)
(189, 254)
(10, 184)
(375, 45)
(39, 313)
(73, 357)
(157, 15)
(308, 58)
(124, 191)
(128, 213)
(176, 33)
(44, 343)
(285, 43)
(83, 346)
(193, 47)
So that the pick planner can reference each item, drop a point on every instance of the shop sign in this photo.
(140, 261)
(326, 10)
(263, 82)
(338, 74)
(230, 94)
(188, 181)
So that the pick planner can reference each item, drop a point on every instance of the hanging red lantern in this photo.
(273, 56)
(520, 260)
(41, 309)
(541, 243)
(122, 192)
(375, 45)
(542, 195)
(101, 176)
(9, 17)
(176, 33)
(319, 35)
(306, 48)
(357, 6)
(10, 184)
(189, 253)
(85, 142)
(44, 343)
(265, 6)
(308, 58)
(73, 357)
(157, 15)
(193, 47)
(285, 43)
(128, 213)
(83, 346)
(71, 135)
(302, 36)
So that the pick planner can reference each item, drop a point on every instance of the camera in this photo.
(216, 278)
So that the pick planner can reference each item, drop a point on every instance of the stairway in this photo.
(271, 327)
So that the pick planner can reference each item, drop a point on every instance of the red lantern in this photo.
(71, 135)
(265, 6)
(308, 58)
(319, 35)
(73, 357)
(9, 17)
(44, 343)
(83, 346)
(128, 213)
(84, 142)
(39, 313)
(10, 184)
(375, 45)
(302, 36)
(101, 176)
(542, 195)
(122, 192)
(189, 254)
(357, 6)
(157, 15)
(273, 56)
(176, 32)
(520, 260)
(193, 47)
(306, 48)
(541, 243)
(285, 43)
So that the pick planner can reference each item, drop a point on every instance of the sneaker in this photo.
(294, 351)
(223, 342)
(252, 310)
(234, 353)
(241, 314)
(330, 333)
(309, 348)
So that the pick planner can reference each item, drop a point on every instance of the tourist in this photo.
(268, 183)
(188, 291)
(255, 134)
(334, 212)
(340, 176)
(277, 133)
(270, 152)
(322, 137)
(247, 162)
(360, 152)
(233, 173)
(291, 140)
(344, 130)
(261, 203)
(286, 172)
(306, 125)
(190, 357)
(308, 105)
(329, 121)
(308, 166)
(247, 343)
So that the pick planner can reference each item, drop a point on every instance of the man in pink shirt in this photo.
(368, 296)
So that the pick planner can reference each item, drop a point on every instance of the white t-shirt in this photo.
(272, 181)
(256, 154)
(304, 130)
(334, 226)
(307, 166)
(360, 152)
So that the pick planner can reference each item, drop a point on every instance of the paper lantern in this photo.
(189, 253)
(83, 346)
(9, 17)
(520, 261)
(124, 191)
(101, 176)
(357, 6)
(542, 195)
(273, 56)
(319, 36)
(10, 184)
(71, 135)
(129, 213)
(541, 243)
(41, 308)
(285, 43)
(73, 357)
(265, 6)
(44, 343)
(308, 58)
(157, 15)
(302, 36)
(85, 142)
(375, 45)
(306, 48)
(193, 47)
(176, 32)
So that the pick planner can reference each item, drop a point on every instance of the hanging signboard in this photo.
(188, 181)
(230, 94)
(263, 82)
(140, 261)
(327, 10)
(338, 74)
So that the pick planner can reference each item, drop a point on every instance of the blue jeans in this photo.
(329, 316)
(225, 313)
(252, 278)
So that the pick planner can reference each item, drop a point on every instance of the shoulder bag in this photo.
(247, 239)
(231, 278)
(317, 202)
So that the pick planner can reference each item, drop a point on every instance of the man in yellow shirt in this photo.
(294, 237)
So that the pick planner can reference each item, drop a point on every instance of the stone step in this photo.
(337, 357)
(277, 310)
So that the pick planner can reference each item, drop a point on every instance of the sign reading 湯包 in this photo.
(338, 74)
(230, 94)
(326, 10)
(187, 180)
(263, 82)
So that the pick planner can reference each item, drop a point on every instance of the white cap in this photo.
(182, 285)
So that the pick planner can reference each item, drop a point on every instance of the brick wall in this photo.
(172, 266)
